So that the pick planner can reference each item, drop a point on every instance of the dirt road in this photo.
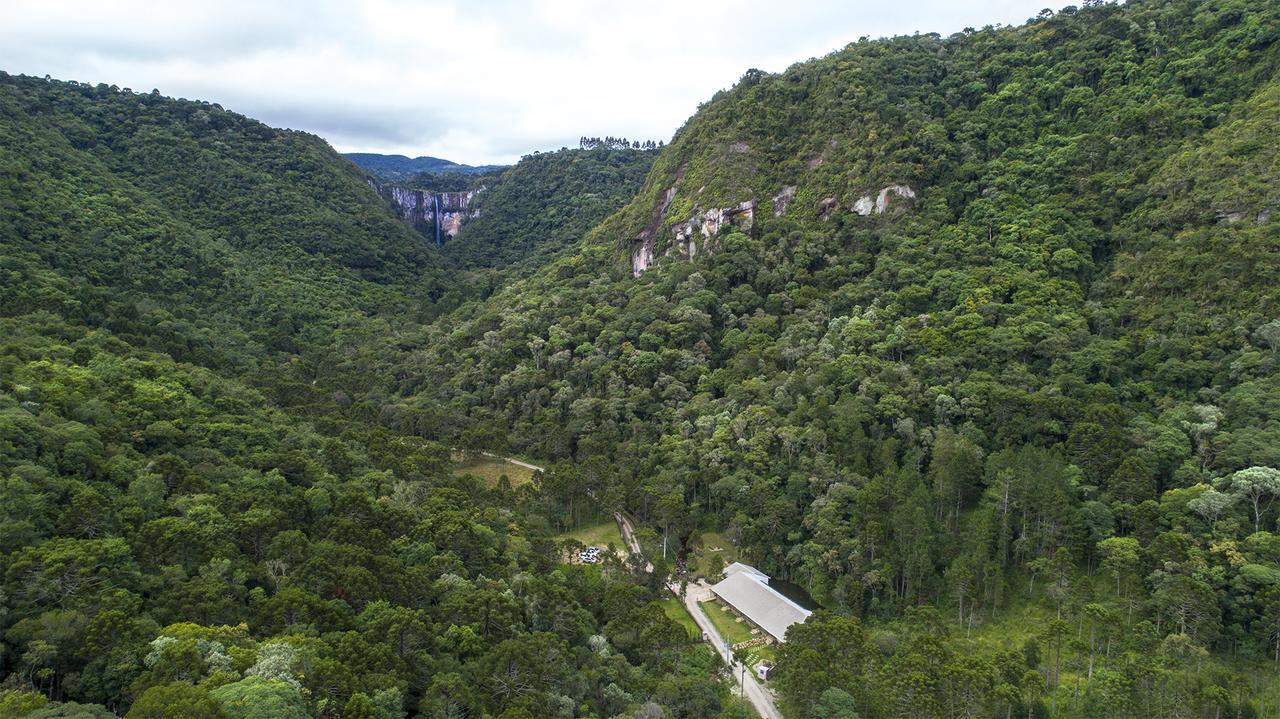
(748, 685)
(516, 462)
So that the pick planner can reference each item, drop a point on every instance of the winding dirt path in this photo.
(514, 461)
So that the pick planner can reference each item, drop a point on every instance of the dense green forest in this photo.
(1039, 396)
(200, 517)
(546, 203)
(521, 217)
(991, 368)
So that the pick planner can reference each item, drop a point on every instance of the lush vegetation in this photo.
(1017, 434)
(190, 230)
(546, 203)
(1048, 382)
(176, 548)
(201, 514)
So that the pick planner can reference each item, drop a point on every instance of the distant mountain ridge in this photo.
(395, 168)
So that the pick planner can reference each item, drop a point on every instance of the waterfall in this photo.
(435, 199)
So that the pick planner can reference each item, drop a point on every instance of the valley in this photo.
(973, 339)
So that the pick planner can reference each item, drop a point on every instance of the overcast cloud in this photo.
(475, 82)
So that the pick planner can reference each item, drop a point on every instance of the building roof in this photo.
(736, 567)
(747, 590)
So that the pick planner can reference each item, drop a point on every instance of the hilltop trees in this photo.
(617, 143)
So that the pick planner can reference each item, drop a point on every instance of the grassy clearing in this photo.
(763, 653)
(711, 544)
(491, 469)
(674, 609)
(1010, 630)
(598, 535)
(734, 631)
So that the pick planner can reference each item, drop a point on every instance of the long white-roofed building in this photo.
(746, 589)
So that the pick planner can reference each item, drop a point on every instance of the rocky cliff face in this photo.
(439, 215)
(700, 230)
(705, 226)
(864, 205)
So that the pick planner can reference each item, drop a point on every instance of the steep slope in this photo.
(974, 338)
(1204, 237)
(437, 214)
(545, 203)
(535, 208)
(926, 319)
(195, 230)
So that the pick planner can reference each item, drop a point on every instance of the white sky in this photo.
(477, 82)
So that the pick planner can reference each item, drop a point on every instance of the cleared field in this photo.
(491, 469)
(711, 544)
(603, 535)
(674, 609)
(598, 535)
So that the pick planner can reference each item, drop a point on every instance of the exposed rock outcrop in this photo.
(641, 257)
(826, 207)
(742, 216)
(709, 223)
(782, 199)
(1232, 216)
(865, 206)
(698, 230)
(437, 214)
(642, 253)
(903, 191)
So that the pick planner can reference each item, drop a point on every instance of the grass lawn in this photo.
(765, 652)
(674, 609)
(711, 544)
(598, 535)
(726, 621)
(734, 632)
(490, 469)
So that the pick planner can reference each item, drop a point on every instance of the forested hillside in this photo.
(997, 337)
(201, 515)
(190, 229)
(525, 214)
(976, 339)
(547, 202)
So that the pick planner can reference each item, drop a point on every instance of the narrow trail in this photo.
(514, 461)
(744, 677)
